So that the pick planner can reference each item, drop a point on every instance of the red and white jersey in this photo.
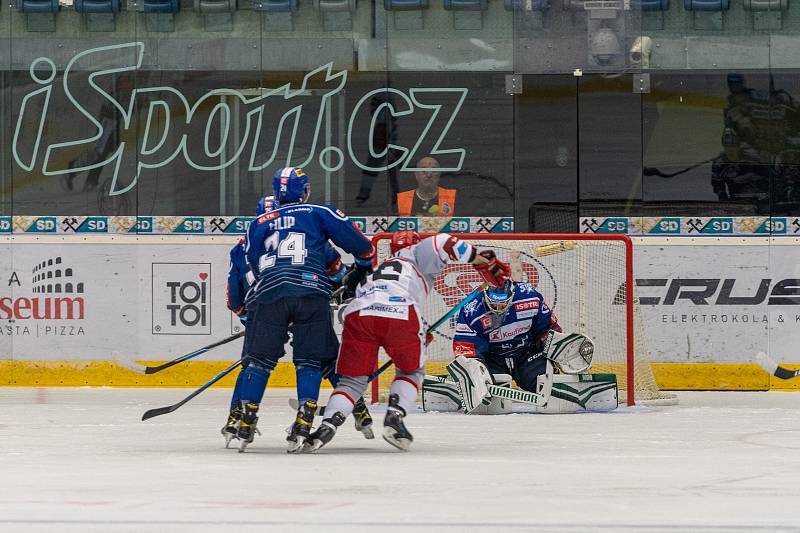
(405, 279)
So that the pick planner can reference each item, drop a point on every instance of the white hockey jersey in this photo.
(405, 279)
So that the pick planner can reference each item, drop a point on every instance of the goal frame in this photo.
(629, 316)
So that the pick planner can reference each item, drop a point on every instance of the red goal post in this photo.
(584, 277)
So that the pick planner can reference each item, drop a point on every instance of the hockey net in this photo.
(587, 282)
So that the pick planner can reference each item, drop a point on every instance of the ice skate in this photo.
(301, 428)
(394, 431)
(363, 419)
(247, 426)
(231, 428)
(324, 433)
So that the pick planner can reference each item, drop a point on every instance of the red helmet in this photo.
(403, 239)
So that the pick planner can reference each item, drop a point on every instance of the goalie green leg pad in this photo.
(441, 395)
(575, 393)
(473, 379)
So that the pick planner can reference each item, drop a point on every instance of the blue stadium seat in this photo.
(706, 5)
(215, 6)
(161, 6)
(37, 6)
(520, 5)
(466, 5)
(335, 5)
(404, 5)
(651, 5)
(275, 6)
(766, 5)
(97, 6)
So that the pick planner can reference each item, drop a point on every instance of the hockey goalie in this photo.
(511, 334)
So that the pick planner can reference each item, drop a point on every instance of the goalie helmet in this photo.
(403, 239)
(498, 299)
(291, 185)
(265, 205)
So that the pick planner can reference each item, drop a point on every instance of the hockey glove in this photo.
(495, 272)
(355, 276)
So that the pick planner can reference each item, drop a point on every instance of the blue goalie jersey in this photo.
(482, 333)
(287, 250)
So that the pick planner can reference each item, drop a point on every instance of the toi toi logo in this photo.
(181, 299)
(188, 302)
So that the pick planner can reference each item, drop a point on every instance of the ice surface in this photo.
(81, 460)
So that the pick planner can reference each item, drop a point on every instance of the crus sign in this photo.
(165, 125)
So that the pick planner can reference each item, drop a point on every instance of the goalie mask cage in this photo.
(586, 279)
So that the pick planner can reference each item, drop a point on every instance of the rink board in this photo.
(670, 376)
(709, 305)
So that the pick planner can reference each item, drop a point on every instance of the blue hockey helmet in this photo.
(291, 185)
(498, 299)
(265, 205)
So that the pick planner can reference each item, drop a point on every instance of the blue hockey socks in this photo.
(237, 390)
(253, 382)
(309, 379)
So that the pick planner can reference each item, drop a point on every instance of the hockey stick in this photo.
(164, 410)
(181, 359)
(774, 368)
(508, 393)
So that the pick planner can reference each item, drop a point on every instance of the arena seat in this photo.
(706, 5)
(651, 5)
(40, 15)
(766, 5)
(98, 14)
(466, 5)
(160, 6)
(37, 6)
(278, 15)
(405, 5)
(275, 6)
(215, 6)
(217, 14)
(97, 6)
(767, 14)
(407, 14)
(337, 15)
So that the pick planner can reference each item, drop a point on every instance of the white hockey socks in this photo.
(339, 402)
(407, 393)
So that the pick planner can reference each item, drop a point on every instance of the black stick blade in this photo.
(785, 373)
(158, 412)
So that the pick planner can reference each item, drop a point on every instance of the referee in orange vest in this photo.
(428, 199)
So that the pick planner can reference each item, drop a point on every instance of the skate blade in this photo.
(295, 447)
(311, 446)
(367, 432)
(400, 444)
(243, 445)
(228, 439)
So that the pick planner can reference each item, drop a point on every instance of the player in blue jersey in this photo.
(240, 279)
(505, 332)
(285, 249)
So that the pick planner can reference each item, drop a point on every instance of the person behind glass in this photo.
(428, 199)
(107, 143)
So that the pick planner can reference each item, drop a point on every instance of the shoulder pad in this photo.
(474, 308)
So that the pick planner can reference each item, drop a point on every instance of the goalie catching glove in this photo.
(571, 353)
(493, 271)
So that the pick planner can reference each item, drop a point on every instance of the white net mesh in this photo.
(583, 281)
